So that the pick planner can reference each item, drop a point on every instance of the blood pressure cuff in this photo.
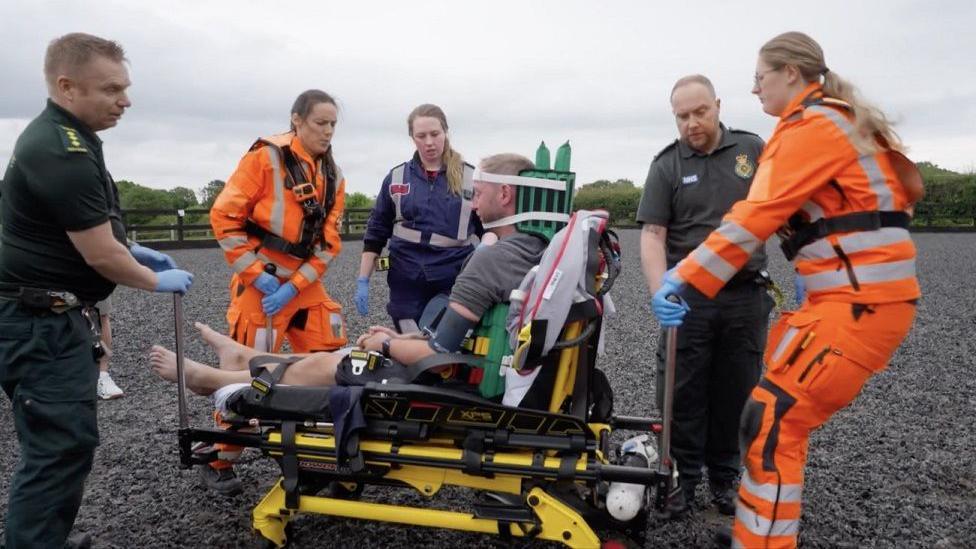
(450, 331)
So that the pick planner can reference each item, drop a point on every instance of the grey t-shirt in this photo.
(689, 192)
(492, 272)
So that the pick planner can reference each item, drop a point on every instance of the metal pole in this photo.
(269, 339)
(668, 411)
(180, 374)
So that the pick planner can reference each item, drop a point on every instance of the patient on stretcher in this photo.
(487, 278)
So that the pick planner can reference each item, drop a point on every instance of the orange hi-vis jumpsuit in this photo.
(861, 290)
(258, 192)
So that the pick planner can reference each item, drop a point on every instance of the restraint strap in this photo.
(805, 233)
(264, 380)
(289, 464)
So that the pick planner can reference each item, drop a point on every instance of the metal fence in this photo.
(190, 228)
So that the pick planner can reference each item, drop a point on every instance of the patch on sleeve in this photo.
(72, 141)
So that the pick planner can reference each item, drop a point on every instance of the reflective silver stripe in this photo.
(813, 210)
(740, 236)
(771, 492)
(242, 263)
(762, 526)
(865, 274)
(467, 188)
(861, 241)
(229, 243)
(855, 242)
(442, 241)
(736, 544)
(277, 220)
(283, 272)
(818, 249)
(868, 162)
(397, 179)
(410, 235)
(784, 343)
(308, 272)
(324, 256)
(714, 263)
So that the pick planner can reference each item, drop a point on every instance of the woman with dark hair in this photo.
(833, 183)
(277, 220)
(424, 211)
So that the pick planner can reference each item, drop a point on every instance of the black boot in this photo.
(724, 497)
(679, 504)
(722, 537)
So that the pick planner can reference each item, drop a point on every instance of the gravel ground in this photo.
(896, 469)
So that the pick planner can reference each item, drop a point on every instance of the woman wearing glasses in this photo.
(834, 185)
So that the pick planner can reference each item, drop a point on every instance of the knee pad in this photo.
(750, 424)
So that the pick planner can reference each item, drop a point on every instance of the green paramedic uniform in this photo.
(56, 182)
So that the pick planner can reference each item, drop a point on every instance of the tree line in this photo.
(950, 199)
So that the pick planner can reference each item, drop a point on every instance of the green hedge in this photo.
(950, 200)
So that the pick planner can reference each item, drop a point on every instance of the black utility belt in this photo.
(40, 300)
(750, 278)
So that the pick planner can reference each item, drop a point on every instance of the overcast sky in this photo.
(210, 77)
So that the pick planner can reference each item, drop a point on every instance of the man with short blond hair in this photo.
(63, 249)
(691, 184)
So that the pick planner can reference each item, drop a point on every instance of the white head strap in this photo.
(522, 181)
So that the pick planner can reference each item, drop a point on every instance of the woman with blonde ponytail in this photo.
(832, 182)
(424, 211)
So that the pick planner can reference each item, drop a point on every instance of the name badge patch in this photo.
(689, 179)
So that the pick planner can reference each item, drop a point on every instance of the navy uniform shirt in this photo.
(428, 206)
(56, 182)
(689, 192)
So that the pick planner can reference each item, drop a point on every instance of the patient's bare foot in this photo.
(231, 355)
(163, 364)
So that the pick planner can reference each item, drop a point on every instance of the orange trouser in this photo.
(817, 359)
(311, 322)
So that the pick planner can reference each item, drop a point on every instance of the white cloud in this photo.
(210, 77)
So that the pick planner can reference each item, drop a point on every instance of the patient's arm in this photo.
(408, 350)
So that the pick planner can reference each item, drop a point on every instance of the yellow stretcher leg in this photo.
(558, 522)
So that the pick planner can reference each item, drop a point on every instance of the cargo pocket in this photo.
(57, 427)
(789, 337)
(833, 380)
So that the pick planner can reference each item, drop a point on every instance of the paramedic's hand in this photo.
(277, 301)
(669, 314)
(173, 280)
(800, 289)
(157, 261)
(362, 295)
(267, 284)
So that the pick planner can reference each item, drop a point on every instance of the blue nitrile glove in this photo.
(362, 295)
(157, 261)
(800, 289)
(276, 301)
(173, 280)
(669, 314)
(267, 284)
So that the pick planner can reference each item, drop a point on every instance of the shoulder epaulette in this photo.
(746, 132)
(670, 146)
(71, 140)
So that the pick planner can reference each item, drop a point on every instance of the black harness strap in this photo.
(805, 232)
(263, 380)
(314, 216)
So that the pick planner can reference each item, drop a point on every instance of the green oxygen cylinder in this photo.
(562, 157)
(542, 157)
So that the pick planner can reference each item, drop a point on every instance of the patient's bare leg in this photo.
(200, 378)
(315, 369)
(231, 355)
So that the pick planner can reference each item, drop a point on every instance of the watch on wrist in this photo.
(385, 347)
